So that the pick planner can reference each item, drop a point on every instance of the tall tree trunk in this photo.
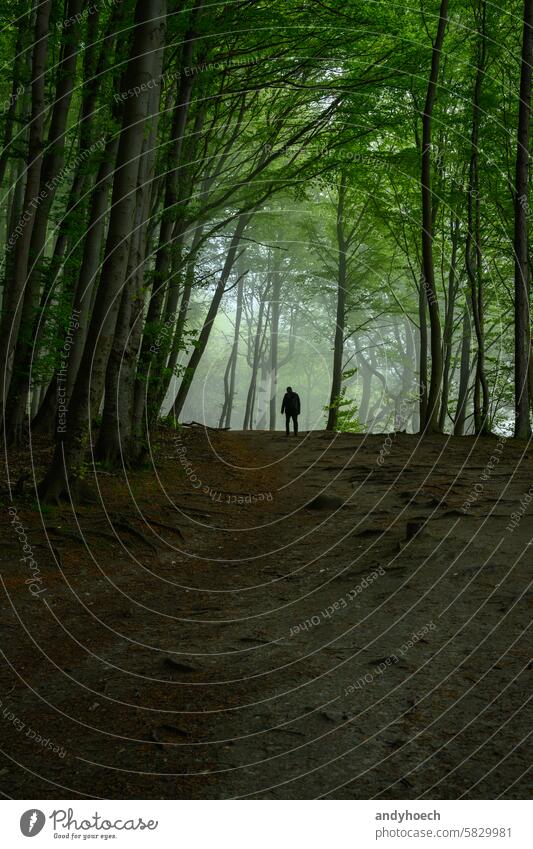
(256, 358)
(370, 366)
(184, 269)
(90, 264)
(366, 392)
(24, 28)
(50, 178)
(229, 376)
(422, 356)
(521, 275)
(274, 342)
(428, 272)
(473, 257)
(20, 238)
(150, 363)
(338, 345)
(114, 444)
(308, 400)
(226, 402)
(45, 419)
(15, 214)
(150, 17)
(97, 57)
(178, 341)
(464, 373)
(114, 434)
(262, 392)
(447, 338)
(205, 332)
(410, 352)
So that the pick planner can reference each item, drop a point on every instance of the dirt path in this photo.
(267, 617)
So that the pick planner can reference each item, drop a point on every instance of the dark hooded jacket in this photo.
(291, 404)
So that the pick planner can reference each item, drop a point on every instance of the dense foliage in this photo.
(201, 203)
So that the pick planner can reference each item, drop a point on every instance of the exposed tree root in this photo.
(207, 427)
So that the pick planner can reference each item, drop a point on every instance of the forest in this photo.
(224, 194)
(202, 204)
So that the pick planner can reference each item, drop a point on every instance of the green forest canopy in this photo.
(202, 202)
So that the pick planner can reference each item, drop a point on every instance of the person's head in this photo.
(289, 388)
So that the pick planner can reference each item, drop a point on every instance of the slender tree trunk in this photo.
(17, 86)
(530, 379)
(15, 214)
(190, 264)
(262, 390)
(250, 398)
(428, 272)
(366, 392)
(20, 238)
(338, 346)
(178, 343)
(521, 277)
(473, 257)
(205, 332)
(308, 400)
(447, 338)
(274, 343)
(464, 374)
(229, 376)
(410, 351)
(147, 362)
(226, 402)
(423, 356)
(149, 395)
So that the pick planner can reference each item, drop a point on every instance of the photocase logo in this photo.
(32, 822)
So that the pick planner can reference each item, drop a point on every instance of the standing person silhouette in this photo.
(291, 408)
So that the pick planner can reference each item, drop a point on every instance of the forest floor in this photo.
(337, 616)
